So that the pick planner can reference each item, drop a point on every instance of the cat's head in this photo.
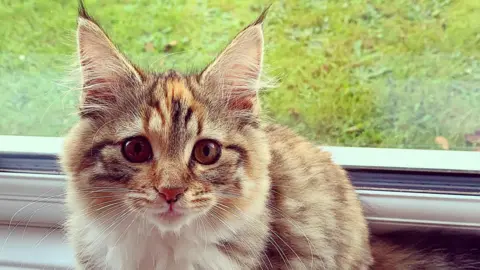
(169, 147)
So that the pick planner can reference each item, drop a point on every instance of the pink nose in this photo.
(171, 195)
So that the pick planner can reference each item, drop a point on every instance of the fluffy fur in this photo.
(429, 250)
(272, 201)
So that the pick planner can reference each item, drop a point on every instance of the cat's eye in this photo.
(207, 152)
(137, 149)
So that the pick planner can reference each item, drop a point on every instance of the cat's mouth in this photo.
(171, 218)
(170, 214)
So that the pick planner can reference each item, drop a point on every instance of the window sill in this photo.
(31, 218)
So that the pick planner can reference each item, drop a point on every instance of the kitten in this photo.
(176, 171)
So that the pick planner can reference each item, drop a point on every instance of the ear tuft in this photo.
(262, 16)
(82, 12)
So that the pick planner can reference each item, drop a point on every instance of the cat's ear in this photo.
(105, 71)
(234, 76)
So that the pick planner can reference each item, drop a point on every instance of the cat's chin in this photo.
(169, 221)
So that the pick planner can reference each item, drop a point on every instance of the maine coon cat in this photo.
(176, 171)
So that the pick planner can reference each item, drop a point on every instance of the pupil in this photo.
(206, 151)
(137, 148)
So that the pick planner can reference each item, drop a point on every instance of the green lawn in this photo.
(381, 73)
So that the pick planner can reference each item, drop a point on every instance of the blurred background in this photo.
(366, 73)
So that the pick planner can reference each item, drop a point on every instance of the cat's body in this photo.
(176, 171)
(294, 228)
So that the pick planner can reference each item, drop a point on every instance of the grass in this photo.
(373, 73)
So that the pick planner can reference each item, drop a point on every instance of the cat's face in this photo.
(168, 148)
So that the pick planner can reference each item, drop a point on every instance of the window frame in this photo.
(26, 147)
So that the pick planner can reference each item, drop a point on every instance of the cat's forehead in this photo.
(173, 111)
(171, 86)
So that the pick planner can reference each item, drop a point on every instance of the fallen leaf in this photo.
(442, 142)
(149, 47)
(473, 138)
(170, 45)
(325, 68)
(368, 44)
(294, 113)
(352, 129)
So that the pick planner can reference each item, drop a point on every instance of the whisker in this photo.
(126, 229)
(120, 217)
(115, 206)
(21, 209)
(52, 229)
(227, 195)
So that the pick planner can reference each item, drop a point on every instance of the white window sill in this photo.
(32, 240)
(38, 200)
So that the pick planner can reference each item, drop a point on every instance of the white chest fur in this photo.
(136, 247)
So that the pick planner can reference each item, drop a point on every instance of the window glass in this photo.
(364, 73)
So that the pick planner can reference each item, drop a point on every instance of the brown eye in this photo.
(137, 150)
(207, 152)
